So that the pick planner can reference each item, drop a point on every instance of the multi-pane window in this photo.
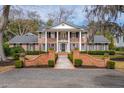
(31, 47)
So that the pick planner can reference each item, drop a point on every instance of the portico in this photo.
(62, 40)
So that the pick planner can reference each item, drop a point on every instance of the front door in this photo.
(63, 47)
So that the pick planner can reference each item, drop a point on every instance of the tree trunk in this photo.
(3, 23)
(2, 55)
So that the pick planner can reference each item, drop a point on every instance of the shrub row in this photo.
(110, 64)
(78, 62)
(111, 52)
(34, 52)
(14, 51)
(70, 57)
(51, 63)
(18, 64)
(56, 57)
(119, 49)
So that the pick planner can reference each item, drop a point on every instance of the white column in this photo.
(57, 43)
(68, 41)
(46, 41)
(80, 40)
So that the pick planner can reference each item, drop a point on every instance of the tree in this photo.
(21, 22)
(49, 23)
(62, 15)
(105, 14)
(3, 23)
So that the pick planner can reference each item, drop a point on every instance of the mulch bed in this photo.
(7, 63)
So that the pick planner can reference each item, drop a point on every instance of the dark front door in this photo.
(63, 47)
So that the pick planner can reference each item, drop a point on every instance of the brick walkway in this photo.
(63, 63)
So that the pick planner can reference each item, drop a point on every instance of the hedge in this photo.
(70, 57)
(56, 57)
(34, 52)
(51, 63)
(111, 52)
(18, 64)
(110, 64)
(16, 51)
(78, 62)
(119, 49)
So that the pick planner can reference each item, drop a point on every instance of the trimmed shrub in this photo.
(18, 64)
(56, 57)
(78, 62)
(51, 49)
(110, 65)
(34, 52)
(70, 57)
(98, 52)
(83, 52)
(7, 49)
(76, 48)
(119, 49)
(15, 52)
(51, 63)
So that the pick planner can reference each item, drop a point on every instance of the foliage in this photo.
(51, 63)
(7, 49)
(22, 26)
(70, 57)
(49, 23)
(99, 52)
(34, 52)
(56, 57)
(15, 52)
(83, 52)
(119, 49)
(51, 49)
(111, 45)
(110, 64)
(78, 62)
(117, 57)
(18, 64)
(76, 48)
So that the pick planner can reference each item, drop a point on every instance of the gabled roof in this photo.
(27, 38)
(65, 25)
(100, 39)
(62, 25)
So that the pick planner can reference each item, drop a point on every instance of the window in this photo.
(52, 35)
(31, 47)
(77, 34)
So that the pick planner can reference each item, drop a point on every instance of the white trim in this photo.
(46, 41)
(80, 40)
(68, 41)
(57, 41)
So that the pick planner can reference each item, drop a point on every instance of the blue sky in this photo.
(80, 16)
(43, 11)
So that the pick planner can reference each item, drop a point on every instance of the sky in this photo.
(44, 10)
(79, 14)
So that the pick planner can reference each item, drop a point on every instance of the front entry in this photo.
(63, 47)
